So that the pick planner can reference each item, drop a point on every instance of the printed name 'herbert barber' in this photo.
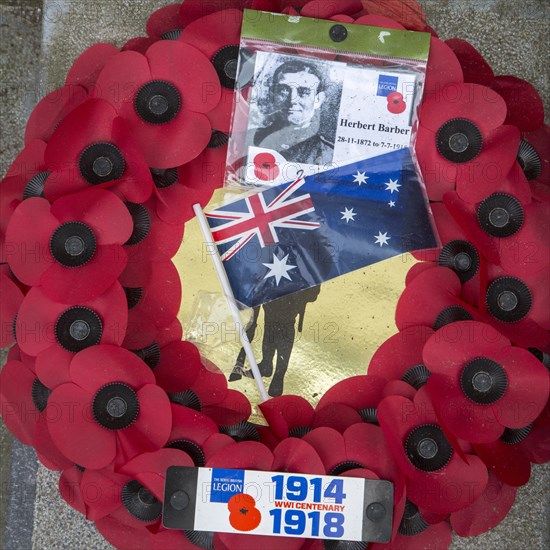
(372, 126)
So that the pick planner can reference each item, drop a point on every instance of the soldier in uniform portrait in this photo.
(294, 129)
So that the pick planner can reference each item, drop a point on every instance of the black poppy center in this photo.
(508, 299)
(225, 62)
(412, 522)
(140, 502)
(451, 314)
(187, 398)
(218, 139)
(345, 466)
(459, 140)
(369, 415)
(142, 222)
(40, 395)
(299, 431)
(529, 160)
(417, 376)
(173, 34)
(157, 102)
(483, 381)
(500, 215)
(150, 355)
(73, 244)
(133, 296)
(35, 186)
(427, 448)
(191, 448)
(78, 328)
(115, 406)
(101, 162)
(461, 257)
(329, 544)
(164, 177)
(512, 436)
(243, 431)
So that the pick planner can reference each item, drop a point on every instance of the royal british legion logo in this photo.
(387, 84)
(225, 484)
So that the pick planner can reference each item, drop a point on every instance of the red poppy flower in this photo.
(245, 455)
(443, 68)
(457, 253)
(153, 239)
(218, 36)
(86, 68)
(511, 235)
(525, 107)
(52, 109)
(11, 299)
(194, 9)
(165, 23)
(486, 512)
(432, 299)
(163, 97)
(479, 382)
(409, 14)
(203, 389)
(53, 332)
(320, 9)
(117, 409)
(24, 179)
(231, 412)
(400, 357)
(126, 504)
(23, 400)
(293, 416)
(461, 141)
(178, 189)
(510, 456)
(138, 44)
(438, 478)
(474, 67)
(153, 291)
(534, 159)
(415, 531)
(77, 243)
(93, 146)
(355, 399)
(190, 432)
(360, 451)
(296, 455)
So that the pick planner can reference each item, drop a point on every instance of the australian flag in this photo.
(297, 235)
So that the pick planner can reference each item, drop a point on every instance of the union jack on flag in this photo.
(261, 219)
(294, 236)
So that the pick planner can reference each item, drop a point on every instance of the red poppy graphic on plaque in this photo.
(244, 516)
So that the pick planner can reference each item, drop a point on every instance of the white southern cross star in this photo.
(381, 238)
(392, 186)
(360, 177)
(279, 269)
(348, 214)
(391, 204)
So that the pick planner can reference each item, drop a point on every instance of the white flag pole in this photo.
(229, 296)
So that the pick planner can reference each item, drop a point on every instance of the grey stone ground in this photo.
(513, 36)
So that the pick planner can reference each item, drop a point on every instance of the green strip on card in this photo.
(305, 31)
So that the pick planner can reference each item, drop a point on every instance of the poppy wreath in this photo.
(454, 408)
